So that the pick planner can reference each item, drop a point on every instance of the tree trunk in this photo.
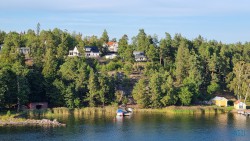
(247, 93)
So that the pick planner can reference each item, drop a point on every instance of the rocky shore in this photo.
(24, 122)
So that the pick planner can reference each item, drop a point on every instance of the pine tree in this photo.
(140, 93)
(93, 89)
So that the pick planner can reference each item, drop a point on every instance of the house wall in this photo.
(221, 103)
(237, 106)
(92, 54)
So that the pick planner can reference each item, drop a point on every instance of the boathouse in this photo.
(239, 105)
(220, 101)
(38, 105)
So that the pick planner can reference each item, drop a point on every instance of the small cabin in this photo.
(239, 105)
(220, 101)
(38, 105)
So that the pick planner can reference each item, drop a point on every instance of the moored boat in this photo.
(124, 112)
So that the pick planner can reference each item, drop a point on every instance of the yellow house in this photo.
(220, 101)
(239, 105)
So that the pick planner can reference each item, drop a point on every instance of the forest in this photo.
(179, 71)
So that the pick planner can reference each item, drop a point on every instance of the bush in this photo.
(213, 87)
(113, 66)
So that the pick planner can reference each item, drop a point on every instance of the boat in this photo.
(124, 112)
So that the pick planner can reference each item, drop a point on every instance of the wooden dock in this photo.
(244, 112)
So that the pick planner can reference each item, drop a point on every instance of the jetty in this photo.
(244, 112)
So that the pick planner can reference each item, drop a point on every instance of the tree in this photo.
(155, 90)
(181, 62)
(140, 93)
(2, 36)
(152, 53)
(38, 29)
(105, 37)
(104, 88)
(241, 81)
(123, 45)
(168, 90)
(185, 96)
(21, 84)
(142, 42)
(93, 89)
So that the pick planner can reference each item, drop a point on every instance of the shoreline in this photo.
(30, 122)
(112, 110)
(17, 120)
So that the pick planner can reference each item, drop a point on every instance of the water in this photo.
(138, 127)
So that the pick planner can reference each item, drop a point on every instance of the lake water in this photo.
(138, 127)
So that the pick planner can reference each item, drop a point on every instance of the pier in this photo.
(244, 112)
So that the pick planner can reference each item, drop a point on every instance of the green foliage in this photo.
(212, 88)
(178, 70)
(185, 96)
(111, 66)
(140, 93)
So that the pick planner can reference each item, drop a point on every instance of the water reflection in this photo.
(137, 127)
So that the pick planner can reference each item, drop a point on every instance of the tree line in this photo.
(179, 71)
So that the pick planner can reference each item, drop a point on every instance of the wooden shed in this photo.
(220, 101)
(38, 105)
(239, 105)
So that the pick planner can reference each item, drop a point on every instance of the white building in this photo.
(92, 52)
(139, 56)
(24, 50)
(74, 52)
(111, 56)
(112, 46)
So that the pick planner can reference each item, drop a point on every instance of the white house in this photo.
(112, 46)
(239, 105)
(92, 52)
(74, 52)
(111, 56)
(139, 56)
(24, 50)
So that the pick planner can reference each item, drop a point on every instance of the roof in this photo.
(91, 49)
(237, 102)
(111, 43)
(138, 52)
(219, 98)
(75, 49)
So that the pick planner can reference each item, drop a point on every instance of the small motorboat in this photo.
(124, 112)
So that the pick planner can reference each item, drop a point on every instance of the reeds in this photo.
(64, 112)
(187, 110)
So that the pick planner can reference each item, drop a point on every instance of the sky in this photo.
(222, 20)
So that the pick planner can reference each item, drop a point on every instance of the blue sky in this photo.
(223, 20)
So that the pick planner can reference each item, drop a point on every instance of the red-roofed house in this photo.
(112, 46)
